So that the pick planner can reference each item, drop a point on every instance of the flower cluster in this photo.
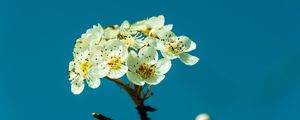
(129, 49)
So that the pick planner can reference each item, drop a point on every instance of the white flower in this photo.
(82, 68)
(151, 25)
(111, 58)
(89, 39)
(172, 46)
(146, 68)
(130, 37)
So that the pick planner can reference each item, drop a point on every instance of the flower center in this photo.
(85, 66)
(174, 48)
(146, 71)
(114, 63)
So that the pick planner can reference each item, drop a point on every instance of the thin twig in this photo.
(148, 90)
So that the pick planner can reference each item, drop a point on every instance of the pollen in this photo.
(114, 62)
(85, 66)
(146, 71)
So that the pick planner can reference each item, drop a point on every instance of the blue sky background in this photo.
(249, 68)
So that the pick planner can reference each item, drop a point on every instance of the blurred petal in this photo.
(188, 59)
(203, 116)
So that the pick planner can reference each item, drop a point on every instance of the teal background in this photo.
(249, 67)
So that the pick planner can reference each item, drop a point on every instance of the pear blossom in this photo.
(129, 48)
(146, 68)
(172, 47)
(82, 68)
(111, 59)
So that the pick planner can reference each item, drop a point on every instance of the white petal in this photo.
(156, 22)
(187, 43)
(148, 55)
(103, 71)
(192, 47)
(163, 66)
(135, 78)
(132, 61)
(93, 82)
(77, 85)
(188, 59)
(114, 74)
(155, 80)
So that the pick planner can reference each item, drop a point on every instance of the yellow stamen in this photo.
(85, 66)
(114, 63)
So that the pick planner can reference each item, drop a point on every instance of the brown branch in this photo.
(135, 95)
(148, 90)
